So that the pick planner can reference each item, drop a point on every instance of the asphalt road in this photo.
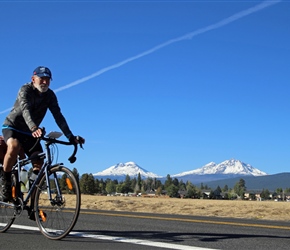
(120, 230)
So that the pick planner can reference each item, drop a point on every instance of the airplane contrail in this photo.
(188, 36)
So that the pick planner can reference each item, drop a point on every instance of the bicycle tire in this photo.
(7, 216)
(7, 210)
(57, 217)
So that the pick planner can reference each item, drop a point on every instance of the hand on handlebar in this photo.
(77, 140)
(38, 132)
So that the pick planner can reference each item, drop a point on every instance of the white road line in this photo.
(140, 242)
(25, 227)
(123, 240)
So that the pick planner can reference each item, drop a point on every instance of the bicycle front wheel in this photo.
(57, 216)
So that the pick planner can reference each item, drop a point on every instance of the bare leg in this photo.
(13, 148)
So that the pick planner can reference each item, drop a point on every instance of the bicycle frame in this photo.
(48, 205)
(44, 169)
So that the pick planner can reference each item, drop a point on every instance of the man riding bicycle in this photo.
(21, 126)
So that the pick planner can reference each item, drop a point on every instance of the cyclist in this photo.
(32, 102)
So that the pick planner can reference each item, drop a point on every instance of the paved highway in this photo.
(122, 230)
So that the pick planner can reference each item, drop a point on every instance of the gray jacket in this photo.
(30, 108)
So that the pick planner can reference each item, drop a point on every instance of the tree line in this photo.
(172, 187)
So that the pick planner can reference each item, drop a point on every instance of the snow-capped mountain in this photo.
(209, 172)
(228, 167)
(122, 169)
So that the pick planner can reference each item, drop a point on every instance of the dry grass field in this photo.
(260, 210)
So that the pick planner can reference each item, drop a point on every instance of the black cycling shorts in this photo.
(27, 141)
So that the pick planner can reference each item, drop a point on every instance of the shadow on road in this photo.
(179, 237)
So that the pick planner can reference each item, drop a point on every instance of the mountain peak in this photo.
(228, 167)
(129, 168)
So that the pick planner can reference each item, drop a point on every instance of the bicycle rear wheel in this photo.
(7, 215)
(8, 211)
(57, 217)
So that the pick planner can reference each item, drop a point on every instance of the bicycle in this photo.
(54, 195)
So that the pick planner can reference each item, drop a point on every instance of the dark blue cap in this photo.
(42, 71)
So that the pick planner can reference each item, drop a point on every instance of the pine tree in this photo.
(240, 188)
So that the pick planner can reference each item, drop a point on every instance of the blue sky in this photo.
(170, 85)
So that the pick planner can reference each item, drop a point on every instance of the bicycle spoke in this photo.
(57, 217)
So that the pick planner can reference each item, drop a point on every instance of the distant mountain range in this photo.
(225, 168)
(228, 173)
(270, 182)
(209, 172)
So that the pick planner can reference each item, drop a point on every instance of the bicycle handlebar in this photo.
(72, 158)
